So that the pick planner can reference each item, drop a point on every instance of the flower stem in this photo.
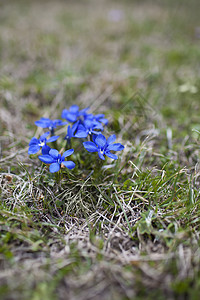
(68, 144)
(58, 176)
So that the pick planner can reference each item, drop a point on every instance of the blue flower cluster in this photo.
(83, 125)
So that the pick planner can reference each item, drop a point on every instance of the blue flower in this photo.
(36, 144)
(71, 131)
(103, 146)
(73, 114)
(88, 127)
(98, 118)
(50, 124)
(55, 159)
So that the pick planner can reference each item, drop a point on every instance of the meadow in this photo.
(116, 229)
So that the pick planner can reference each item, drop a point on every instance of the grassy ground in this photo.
(129, 230)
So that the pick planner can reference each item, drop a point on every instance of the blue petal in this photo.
(111, 155)
(98, 126)
(47, 159)
(71, 117)
(68, 153)
(33, 141)
(90, 146)
(59, 122)
(100, 140)
(74, 126)
(95, 132)
(45, 149)
(63, 123)
(74, 108)
(111, 139)
(53, 125)
(81, 127)
(88, 123)
(55, 167)
(54, 153)
(104, 121)
(101, 155)
(42, 124)
(94, 138)
(69, 164)
(99, 116)
(33, 149)
(89, 116)
(43, 137)
(64, 113)
(81, 134)
(115, 147)
(53, 139)
(69, 131)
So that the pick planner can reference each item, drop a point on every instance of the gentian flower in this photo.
(36, 144)
(73, 114)
(103, 146)
(55, 159)
(88, 127)
(50, 124)
(98, 118)
(70, 131)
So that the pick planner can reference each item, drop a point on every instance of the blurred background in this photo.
(110, 55)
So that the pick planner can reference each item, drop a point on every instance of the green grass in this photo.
(124, 230)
